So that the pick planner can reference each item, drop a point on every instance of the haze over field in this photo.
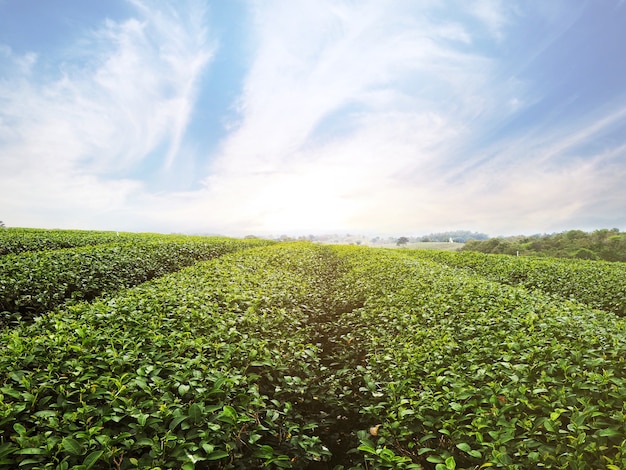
(313, 116)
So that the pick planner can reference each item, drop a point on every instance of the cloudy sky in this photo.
(304, 117)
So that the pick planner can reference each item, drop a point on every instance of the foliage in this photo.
(608, 245)
(402, 241)
(32, 283)
(598, 284)
(296, 355)
(481, 374)
(172, 373)
(18, 240)
(458, 236)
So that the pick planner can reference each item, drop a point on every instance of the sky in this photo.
(274, 117)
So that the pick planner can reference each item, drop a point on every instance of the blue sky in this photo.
(313, 116)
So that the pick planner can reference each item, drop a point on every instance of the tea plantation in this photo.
(295, 355)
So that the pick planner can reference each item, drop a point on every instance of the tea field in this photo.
(296, 355)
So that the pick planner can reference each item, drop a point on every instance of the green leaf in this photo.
(176, 421)
(229, 414)
(212, 408)
(609, 433)
(11, 392)
(218, 454)
(253, 364)
(144, 442)
(32, 451)
(6, 449)
(264, 452)
(195, 413)
(464, 446)
(142, 419)
(92, 458)
(367, 448)
(556, 413)
(548, 425)
(21, 430)
(72, 446)
(26, 462)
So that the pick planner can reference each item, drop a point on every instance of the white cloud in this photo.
(73, 128)
(491, 13)
(358, 116)
(384, 75)
(544, 180)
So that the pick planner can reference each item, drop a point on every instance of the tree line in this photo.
(603, 244)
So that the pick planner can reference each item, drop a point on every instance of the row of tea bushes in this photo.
(204, 368)
(466, 373)
(304, 356)
(18, 240)
(32, 283)
(599, 284)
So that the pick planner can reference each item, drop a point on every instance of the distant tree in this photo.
(604, 244)
(493, 245)
(2, 224)
(585, 253)
(402, 241)
(473, 245)
(459, 236)
(575, 235)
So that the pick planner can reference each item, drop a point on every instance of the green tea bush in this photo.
(35, 282)
(599, 284)
(207, 367)
(304, 356)
(18, 240)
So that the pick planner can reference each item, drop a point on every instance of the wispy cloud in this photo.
(491, 13)
(372, 116)
(78, 125)
(342, 99)
(353, 117)
(545, 178)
